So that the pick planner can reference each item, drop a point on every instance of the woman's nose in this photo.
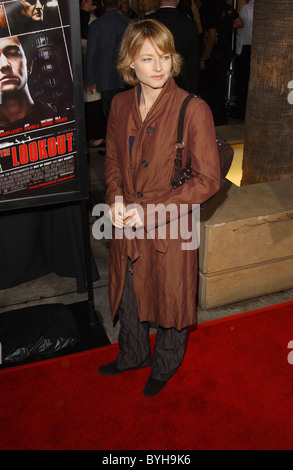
(157, 64)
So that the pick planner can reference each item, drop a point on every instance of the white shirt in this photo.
(244, 34)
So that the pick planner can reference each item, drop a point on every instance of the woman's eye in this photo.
(166, 57)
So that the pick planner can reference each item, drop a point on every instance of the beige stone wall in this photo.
(246, 246)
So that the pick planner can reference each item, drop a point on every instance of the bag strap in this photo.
(181, 117)
(180, 144)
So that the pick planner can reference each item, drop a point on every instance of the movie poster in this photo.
(38, 127)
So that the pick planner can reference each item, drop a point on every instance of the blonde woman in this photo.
(151, 278)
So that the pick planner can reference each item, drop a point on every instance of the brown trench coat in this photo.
(164, 275)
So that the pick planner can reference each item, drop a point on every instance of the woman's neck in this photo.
(147, 98)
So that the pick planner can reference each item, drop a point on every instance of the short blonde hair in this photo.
(135, 35)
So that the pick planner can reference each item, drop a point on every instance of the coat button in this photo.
(151, 129)
(144, 163)
(139, 194)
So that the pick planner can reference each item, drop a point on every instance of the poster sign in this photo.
(42, 139)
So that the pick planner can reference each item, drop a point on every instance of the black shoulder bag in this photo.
(182, 175)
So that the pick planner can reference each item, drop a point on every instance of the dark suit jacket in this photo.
(185, 35)
(104, 37)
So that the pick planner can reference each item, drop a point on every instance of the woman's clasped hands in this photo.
(122, 218)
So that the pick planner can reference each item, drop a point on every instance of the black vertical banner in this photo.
(42, 135)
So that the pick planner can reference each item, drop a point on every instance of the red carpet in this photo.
(233, 391)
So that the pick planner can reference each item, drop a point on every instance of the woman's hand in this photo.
(132, 219)
(121, 218)
(117, 214)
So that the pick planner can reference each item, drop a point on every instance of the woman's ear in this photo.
(131, 65)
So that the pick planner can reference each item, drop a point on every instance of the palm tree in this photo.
(268, 150)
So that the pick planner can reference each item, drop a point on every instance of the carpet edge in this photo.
(115, 345)
(245, 314)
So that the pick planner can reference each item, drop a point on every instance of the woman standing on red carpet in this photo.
(152, 278)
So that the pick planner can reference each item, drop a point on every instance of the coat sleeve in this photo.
(202, 150)
(113, 176)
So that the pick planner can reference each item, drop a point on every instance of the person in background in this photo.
(126, 9)
(195, 5)
(217, 55)
(104, 36)
(147, 7)
(152, 278)
(243, 54)
(185, 35)
(94, 116)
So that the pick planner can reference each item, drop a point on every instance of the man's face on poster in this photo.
(33, 9)
(13, 65)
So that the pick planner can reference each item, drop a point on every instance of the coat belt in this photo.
(132, 249)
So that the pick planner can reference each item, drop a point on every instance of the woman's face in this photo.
(152, 66)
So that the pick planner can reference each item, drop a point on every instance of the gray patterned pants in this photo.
(134, 341)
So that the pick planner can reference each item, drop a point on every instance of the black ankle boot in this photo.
(110, 369)
(152, 387)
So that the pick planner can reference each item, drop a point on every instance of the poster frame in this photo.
(81, 193)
